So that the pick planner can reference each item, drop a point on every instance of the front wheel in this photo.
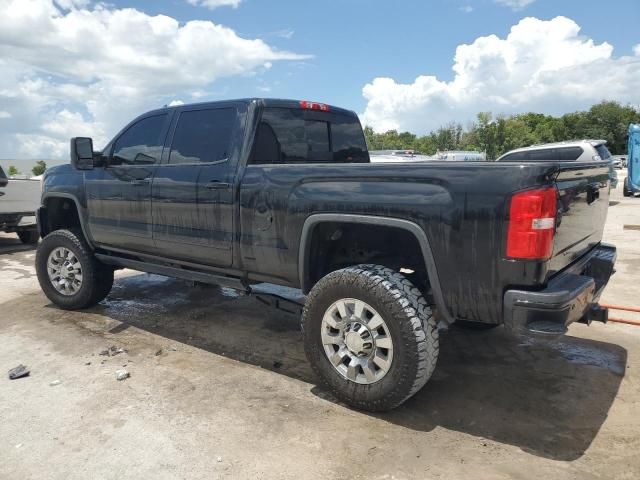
(370, 336)
(69, 274)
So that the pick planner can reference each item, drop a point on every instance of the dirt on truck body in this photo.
(240, 192)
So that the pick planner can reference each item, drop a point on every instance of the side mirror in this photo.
(82, 153)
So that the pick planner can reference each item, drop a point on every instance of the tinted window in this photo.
(286, 136)
(570, 153)
(542, 155)
(514, 157)
(348, 140)
(203, 136)
(142, 142)
(603, 152)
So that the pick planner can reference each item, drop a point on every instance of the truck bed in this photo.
(20, 196)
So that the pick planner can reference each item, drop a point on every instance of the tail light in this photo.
(532, 224)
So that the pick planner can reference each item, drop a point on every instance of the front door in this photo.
(119, 195)
(192, 191)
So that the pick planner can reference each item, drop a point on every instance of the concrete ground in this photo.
(220, 388)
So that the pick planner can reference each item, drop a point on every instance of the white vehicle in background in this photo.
(386, 156)
(462, 156)
(619, 161)
(19, 200)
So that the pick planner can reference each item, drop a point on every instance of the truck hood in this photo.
(63, 169)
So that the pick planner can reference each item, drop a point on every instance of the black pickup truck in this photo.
(240, 192)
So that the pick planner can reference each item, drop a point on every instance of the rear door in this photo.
(192, 190)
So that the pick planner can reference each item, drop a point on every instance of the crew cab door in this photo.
(119, 195)
(193, 188)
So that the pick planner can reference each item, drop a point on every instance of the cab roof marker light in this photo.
(314, 106)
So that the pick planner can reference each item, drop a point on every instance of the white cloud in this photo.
(286, 33)
(211, 4)
(515, 4)
(542, 66)
(636, 49)
(69, 4)
(176, 103)
(466, 9)
(91, 71)
(5, 114)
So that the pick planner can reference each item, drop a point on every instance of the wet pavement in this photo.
(219, 387)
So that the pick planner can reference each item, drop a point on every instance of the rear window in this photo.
(564, 154)
(288, 135)
(603, 151)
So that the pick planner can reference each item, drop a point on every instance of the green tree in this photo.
(13, 171)
(39, 168)
(606, 120)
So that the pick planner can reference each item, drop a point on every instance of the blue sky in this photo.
(354, 41)
(406, 65)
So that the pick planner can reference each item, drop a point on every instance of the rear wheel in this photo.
(28, 237)
(69, 274)
(370, 336)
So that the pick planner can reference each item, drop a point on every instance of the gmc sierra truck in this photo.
(239, 192)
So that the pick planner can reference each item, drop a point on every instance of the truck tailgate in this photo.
(582, 211)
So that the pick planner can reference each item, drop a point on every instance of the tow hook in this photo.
(596, 313)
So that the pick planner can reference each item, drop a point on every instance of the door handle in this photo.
(216, 185)
(140, 182)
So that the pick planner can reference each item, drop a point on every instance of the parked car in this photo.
(239, 192)
(462, 156)
(19, 200)
(573, 151)
(619, 161)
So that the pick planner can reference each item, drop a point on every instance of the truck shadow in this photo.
(9, 243)
(549, 398)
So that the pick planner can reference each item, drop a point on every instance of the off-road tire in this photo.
(28, 237)
(625, 191)
(97, 277)
(413, 330)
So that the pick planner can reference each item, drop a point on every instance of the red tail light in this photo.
(532, 224)
(314, 106)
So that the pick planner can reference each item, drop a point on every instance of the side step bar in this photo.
(167, 271)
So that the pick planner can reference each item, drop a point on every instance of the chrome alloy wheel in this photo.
(357, 341)
(65, 271)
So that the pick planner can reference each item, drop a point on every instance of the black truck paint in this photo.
(280, 191)
(256, 222)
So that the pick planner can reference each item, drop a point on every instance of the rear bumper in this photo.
(570, 297)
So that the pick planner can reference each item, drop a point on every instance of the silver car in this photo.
(573, 151)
